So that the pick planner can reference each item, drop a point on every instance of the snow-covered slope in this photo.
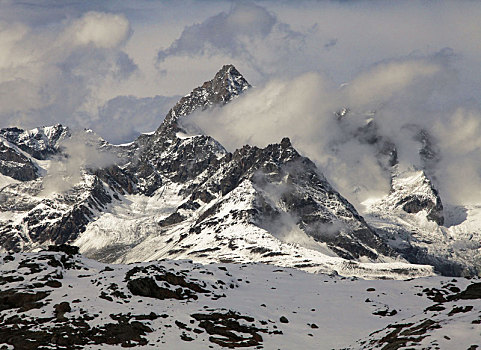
(230, 213)
(130, 232)
(455, 249)
(58, 299)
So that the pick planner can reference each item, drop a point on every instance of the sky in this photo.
(117, 67)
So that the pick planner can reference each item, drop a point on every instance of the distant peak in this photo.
(226, 85)
(228, 81)
(286, 143)
(227, 69)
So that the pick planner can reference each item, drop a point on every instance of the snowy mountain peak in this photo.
(226, 85)
(413, 192)
(229, 83)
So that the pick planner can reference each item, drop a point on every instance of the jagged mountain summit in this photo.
(226, 85)
(173, 195)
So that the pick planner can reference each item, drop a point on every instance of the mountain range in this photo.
(158, 241)
(177, 194)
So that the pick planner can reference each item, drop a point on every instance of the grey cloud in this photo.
(224, 32)
(396, 94)
(125, 65)
(50, 74)
(248, 33)
(130, 116)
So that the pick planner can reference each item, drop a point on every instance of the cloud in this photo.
(399, 95)
(224, 32)
(100, 29)
(340, 39)
(248, 32)
(385, 80)
(80, 152)
(460, 166)
(52, 74)
(130, 116)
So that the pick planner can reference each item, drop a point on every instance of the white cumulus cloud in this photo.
(101, 29)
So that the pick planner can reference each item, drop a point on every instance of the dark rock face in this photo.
(146, 287)
(65, 248)
(473, 291)
(40, 143)
(117, 179)
(414, 204)
(174, 286)
(16, 165)
(226, 330)
(61, 309)
(172, 219)
(186, 160)
(13, 299)
(227, 84)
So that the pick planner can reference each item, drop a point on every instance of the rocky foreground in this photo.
(58, 299)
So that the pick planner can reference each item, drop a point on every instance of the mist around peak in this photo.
(401, 97)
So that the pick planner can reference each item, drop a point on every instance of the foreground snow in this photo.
(63, 300)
